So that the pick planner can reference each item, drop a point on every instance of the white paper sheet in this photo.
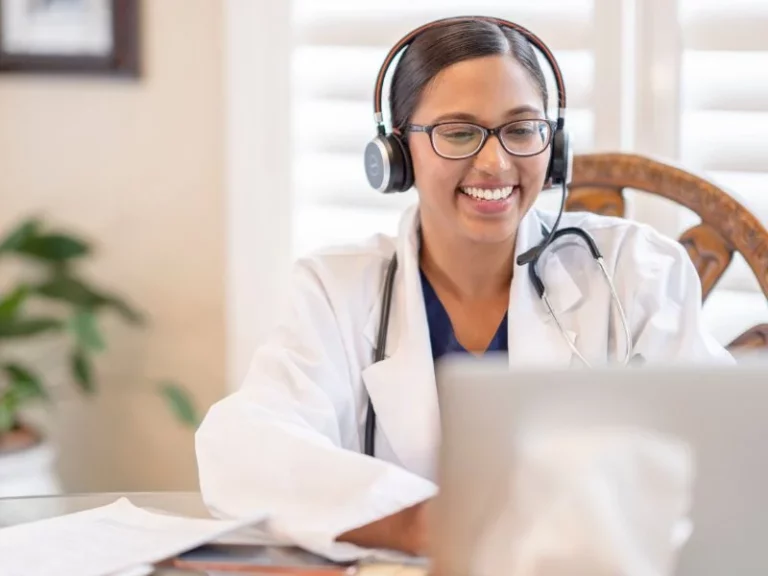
(105, 540)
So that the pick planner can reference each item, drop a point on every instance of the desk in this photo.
(15, 511)
(19, 510)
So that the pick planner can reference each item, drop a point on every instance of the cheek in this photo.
(434, 175)
(533, 170)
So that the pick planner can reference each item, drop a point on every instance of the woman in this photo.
(290, 441)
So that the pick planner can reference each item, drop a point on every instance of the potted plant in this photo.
(50, 298)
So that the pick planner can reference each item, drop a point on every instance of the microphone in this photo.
(532, 254)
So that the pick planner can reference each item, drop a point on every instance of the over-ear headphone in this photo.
(387, 158)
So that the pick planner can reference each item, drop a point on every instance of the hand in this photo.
(416, 529)
(405, 531)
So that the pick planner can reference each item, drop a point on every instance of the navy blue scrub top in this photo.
(441, 334)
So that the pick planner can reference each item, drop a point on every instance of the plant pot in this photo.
(27, 464)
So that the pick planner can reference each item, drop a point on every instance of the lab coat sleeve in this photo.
(286, 442)
(664, 303)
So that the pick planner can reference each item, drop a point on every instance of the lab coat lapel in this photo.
(402, 386)
(533, 336)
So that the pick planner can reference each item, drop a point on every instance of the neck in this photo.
(469, 270)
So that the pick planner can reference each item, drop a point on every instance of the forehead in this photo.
(486, 88)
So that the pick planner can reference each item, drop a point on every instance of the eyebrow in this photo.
(472, 118)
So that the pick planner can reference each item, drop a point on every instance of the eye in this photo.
(527, 130)
(522, 129)
(458, 135)
(458, 132)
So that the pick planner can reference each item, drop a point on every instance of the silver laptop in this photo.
(721, 414)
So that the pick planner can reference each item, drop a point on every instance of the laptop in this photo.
(719, 414)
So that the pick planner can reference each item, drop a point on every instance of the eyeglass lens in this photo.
(461, 140)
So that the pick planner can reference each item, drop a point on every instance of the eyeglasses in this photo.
(459, 140)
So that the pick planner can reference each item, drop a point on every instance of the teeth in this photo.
(488, 194)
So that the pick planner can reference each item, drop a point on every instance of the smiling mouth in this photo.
(489, 194)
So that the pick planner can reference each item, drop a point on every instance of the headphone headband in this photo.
(406, 40)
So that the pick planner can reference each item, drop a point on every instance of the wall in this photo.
(138, 167)
(260, 202)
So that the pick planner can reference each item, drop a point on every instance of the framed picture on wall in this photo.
(70, 36)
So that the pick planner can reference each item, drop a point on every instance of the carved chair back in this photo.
(598, 185)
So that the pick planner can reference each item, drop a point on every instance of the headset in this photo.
(388, 164)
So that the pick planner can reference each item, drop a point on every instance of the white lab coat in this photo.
(290, 441)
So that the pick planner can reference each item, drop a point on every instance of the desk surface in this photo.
(19, 510)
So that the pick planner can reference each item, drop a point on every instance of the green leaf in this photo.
(86, 330)
(73, 291)
(54, 247)
(122, 308)
(16, 328)
(7, 412)
(180, 402)
(82, 371)
(24, 382)
(20, 235)
(70, 290)
(11, 304)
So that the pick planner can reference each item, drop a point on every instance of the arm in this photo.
(287, 442)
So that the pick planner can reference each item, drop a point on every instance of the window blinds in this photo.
(724, 103)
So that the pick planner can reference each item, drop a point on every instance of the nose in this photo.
(492, 158)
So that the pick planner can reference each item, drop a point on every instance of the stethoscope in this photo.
(538, 285)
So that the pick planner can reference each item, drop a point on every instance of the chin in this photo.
(491, 232)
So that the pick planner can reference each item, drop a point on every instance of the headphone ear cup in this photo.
(388, 164)
(561, 160)
(407, 164)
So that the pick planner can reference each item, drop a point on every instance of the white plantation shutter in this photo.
(338, 48)
(724, 131)
(724, 103)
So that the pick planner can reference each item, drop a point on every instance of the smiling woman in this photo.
(339, 415)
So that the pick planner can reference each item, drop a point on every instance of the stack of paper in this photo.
(109, 540)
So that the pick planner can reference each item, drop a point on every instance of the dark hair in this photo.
(447, 44)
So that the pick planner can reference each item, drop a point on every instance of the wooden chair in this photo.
(726, 225)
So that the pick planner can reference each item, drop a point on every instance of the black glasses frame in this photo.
(487, 133)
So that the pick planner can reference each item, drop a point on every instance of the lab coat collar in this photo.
(402, 386)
